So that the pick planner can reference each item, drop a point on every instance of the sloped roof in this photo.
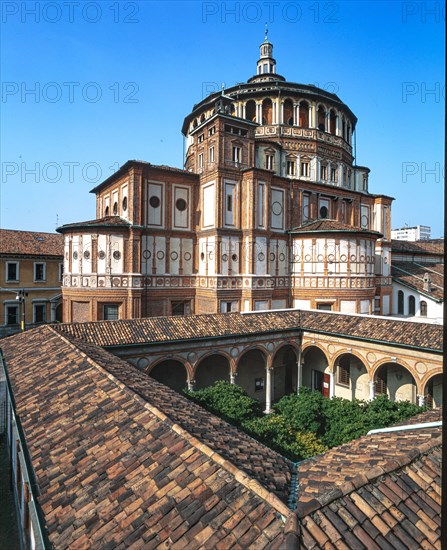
(390, 499)
(114, 470)
(179, 328)
(30, 243)
(332, 226)
(108, 221)
(352, 463)
(411, 274)
(424, 247)
(123, 461)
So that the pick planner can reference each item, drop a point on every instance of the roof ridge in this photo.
(242, 477)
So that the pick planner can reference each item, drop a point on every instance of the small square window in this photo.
(111, 312)
(39, 272)
(12, 271)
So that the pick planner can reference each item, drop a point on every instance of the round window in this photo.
(125, 204)
(180, 204)
(101, 254)
(324, 212)
(75, 255)
(86, 254)
(234, 257)
(154, 201)
(202, 257)
(224, 258)
(117, 255)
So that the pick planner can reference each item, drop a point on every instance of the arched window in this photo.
(250, 111)
(423, 308)
(411, 305)
(304, 114)
(267, 109)
(321, 118)
(288, 112)
(400, 302)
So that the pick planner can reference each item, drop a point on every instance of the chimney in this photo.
(427, 282)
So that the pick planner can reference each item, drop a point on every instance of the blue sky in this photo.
(114, 80)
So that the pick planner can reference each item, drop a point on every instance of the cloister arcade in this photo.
(268, 370)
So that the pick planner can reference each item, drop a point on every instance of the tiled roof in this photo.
(116, 471)
(123, 461)
(31, 243)
(352, 463)
(429, 246)
(411, 274)
(109, 221)
(386, 492)
(177, 328)
(332, 226)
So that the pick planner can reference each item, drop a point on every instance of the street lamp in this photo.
(21, 295)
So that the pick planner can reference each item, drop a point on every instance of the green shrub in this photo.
(275, 431)
(229, 401)
(304, 412)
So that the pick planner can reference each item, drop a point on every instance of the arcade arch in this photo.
(210, 369)
(171, 372)
(251, 373)
(396, 381)
(316, 374)
(433, 391)
(351, 377)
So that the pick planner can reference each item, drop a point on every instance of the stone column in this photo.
(311, 116)
(268, 390)
(371, 390)
(331, 384)
(421, 400)
(296, 114)
(191, 385)
(233, 377)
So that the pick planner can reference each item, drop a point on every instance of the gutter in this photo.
(420, 426)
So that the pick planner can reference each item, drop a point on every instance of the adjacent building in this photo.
(416, 233)
(31, 268)
(271, 211)
(418, 279)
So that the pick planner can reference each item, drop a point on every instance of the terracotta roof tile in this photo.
(177, 328)
(109, 463)
(31, 243)
(425, 247)
(331, 226)
(109, 221)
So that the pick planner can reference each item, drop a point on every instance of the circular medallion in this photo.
(282, 257)
(174, 256)
(101, 255)
(160, 255)
(421, 367)
(117, 255)
(277, 208)
(187, 256)
(142, 363)
(261, 256)
(86, 254)
(147, 254)
(225, 258)
(75, 255)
